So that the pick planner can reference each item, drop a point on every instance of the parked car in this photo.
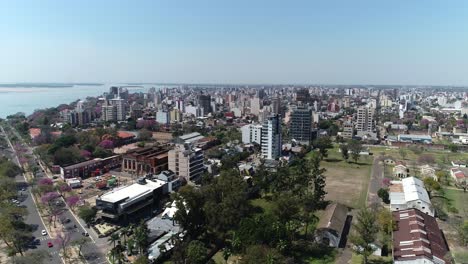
(44, 233)
(49, 244)
(85, 234)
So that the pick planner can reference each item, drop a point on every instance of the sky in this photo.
(243, 41)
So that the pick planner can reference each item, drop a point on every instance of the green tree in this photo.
(453, 148)
(463, 233)
(403, 153)
(196, 252)
(383, 194)
(323, 144)
(431, 185)
(262, 254)
(355, 148)
(80, 242)
(365, 232)
(190, 215)
(344, 151)
(141, 260)
(87, 213)
(145, 134)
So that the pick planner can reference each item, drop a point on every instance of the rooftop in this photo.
(131, 191)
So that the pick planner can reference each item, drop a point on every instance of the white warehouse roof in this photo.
(132, 191)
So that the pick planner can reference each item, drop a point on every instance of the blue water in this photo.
(27, 98)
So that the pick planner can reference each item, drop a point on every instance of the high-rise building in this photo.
(108, 112)
(271, 138)
(121, 112)
(303, 96)
(301, 124)
(365, 119)
(162, 117)
(276, 105)
(186, 161)
(204, 101)
(255, 106)
(251, 134)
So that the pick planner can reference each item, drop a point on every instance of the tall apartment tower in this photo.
(255, 106)
(108, 112)
(301, 124)
(251, 134)
(271, 138)
(120, 108)
(186, 161)
(204, 101)
(365, 119)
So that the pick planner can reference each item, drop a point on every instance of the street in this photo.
(93, 253)
(375, 182)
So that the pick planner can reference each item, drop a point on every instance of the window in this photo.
(423, 207)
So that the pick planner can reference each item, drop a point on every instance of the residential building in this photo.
(271, 138)
(301, 124)
(348, 130)
(120, 111)
(251, 134)
(255, 106)
(410, 193)
(330, 227)
(153, 159)
(108, 112)
(400, 170)
(163, 117)
(417, 239)
(365, 119)
(459, 175)
(187, 162)
(415, 138)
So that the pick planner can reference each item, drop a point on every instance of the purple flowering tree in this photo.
(85, 154)
(73, 201)
(386, 182)
(49, 196)
(45, 181)
(106, 144)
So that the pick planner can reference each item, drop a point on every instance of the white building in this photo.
(251, 134)
(255, 106)
(162, 117)
(271, 138)
(194, 110)
(365, 119)
(410, 193)
(120, 108)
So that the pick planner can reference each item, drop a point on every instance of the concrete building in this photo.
(194, 110)
(90, 168)
(187, 161)
(410, 193)
(271, 138)
(365, 119)
(124, 203)
(251, 134)
(121, 112)
(301, 124)
(204, 101)
(417, 239)
(162, 117)
(348, 130)
(108, 112)
(255, 106)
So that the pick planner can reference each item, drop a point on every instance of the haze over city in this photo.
(244, 42)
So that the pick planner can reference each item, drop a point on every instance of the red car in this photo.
(49, 244)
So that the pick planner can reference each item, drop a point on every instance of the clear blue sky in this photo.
(242, 41)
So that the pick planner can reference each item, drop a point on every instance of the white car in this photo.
(44, 233)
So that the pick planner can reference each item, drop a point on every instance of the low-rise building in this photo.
(417, 239)
(90, 168)
(330, 227)
(427, 171)
(400, 170)
(153, 159)
(125, 202)
(410, 193)
(459, 175)
(187, 162)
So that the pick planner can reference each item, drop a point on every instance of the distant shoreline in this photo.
(46, 85)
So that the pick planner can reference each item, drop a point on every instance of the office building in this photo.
(121, 112)
(108, 112)
(128, 202)
(271, 138)
(204, 101)
(255, 106)
(251, 134)
(187, 161)
(301, 124)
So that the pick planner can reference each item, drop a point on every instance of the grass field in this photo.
(441, 157)
(347, 182)
(458, 199)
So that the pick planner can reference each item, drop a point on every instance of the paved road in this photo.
(375, 183)
(94, 253)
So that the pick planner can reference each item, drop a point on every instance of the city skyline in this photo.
(266, 42)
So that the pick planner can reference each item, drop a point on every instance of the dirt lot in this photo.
(346, 182)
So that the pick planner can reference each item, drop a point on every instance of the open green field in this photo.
(347, 182)
(441, 157)
(459, 200)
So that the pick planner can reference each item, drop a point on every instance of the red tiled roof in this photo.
(417, 236)
(125, 135)
(34, 132)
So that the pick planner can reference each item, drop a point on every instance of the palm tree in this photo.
(125, 232)
(113, 239)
